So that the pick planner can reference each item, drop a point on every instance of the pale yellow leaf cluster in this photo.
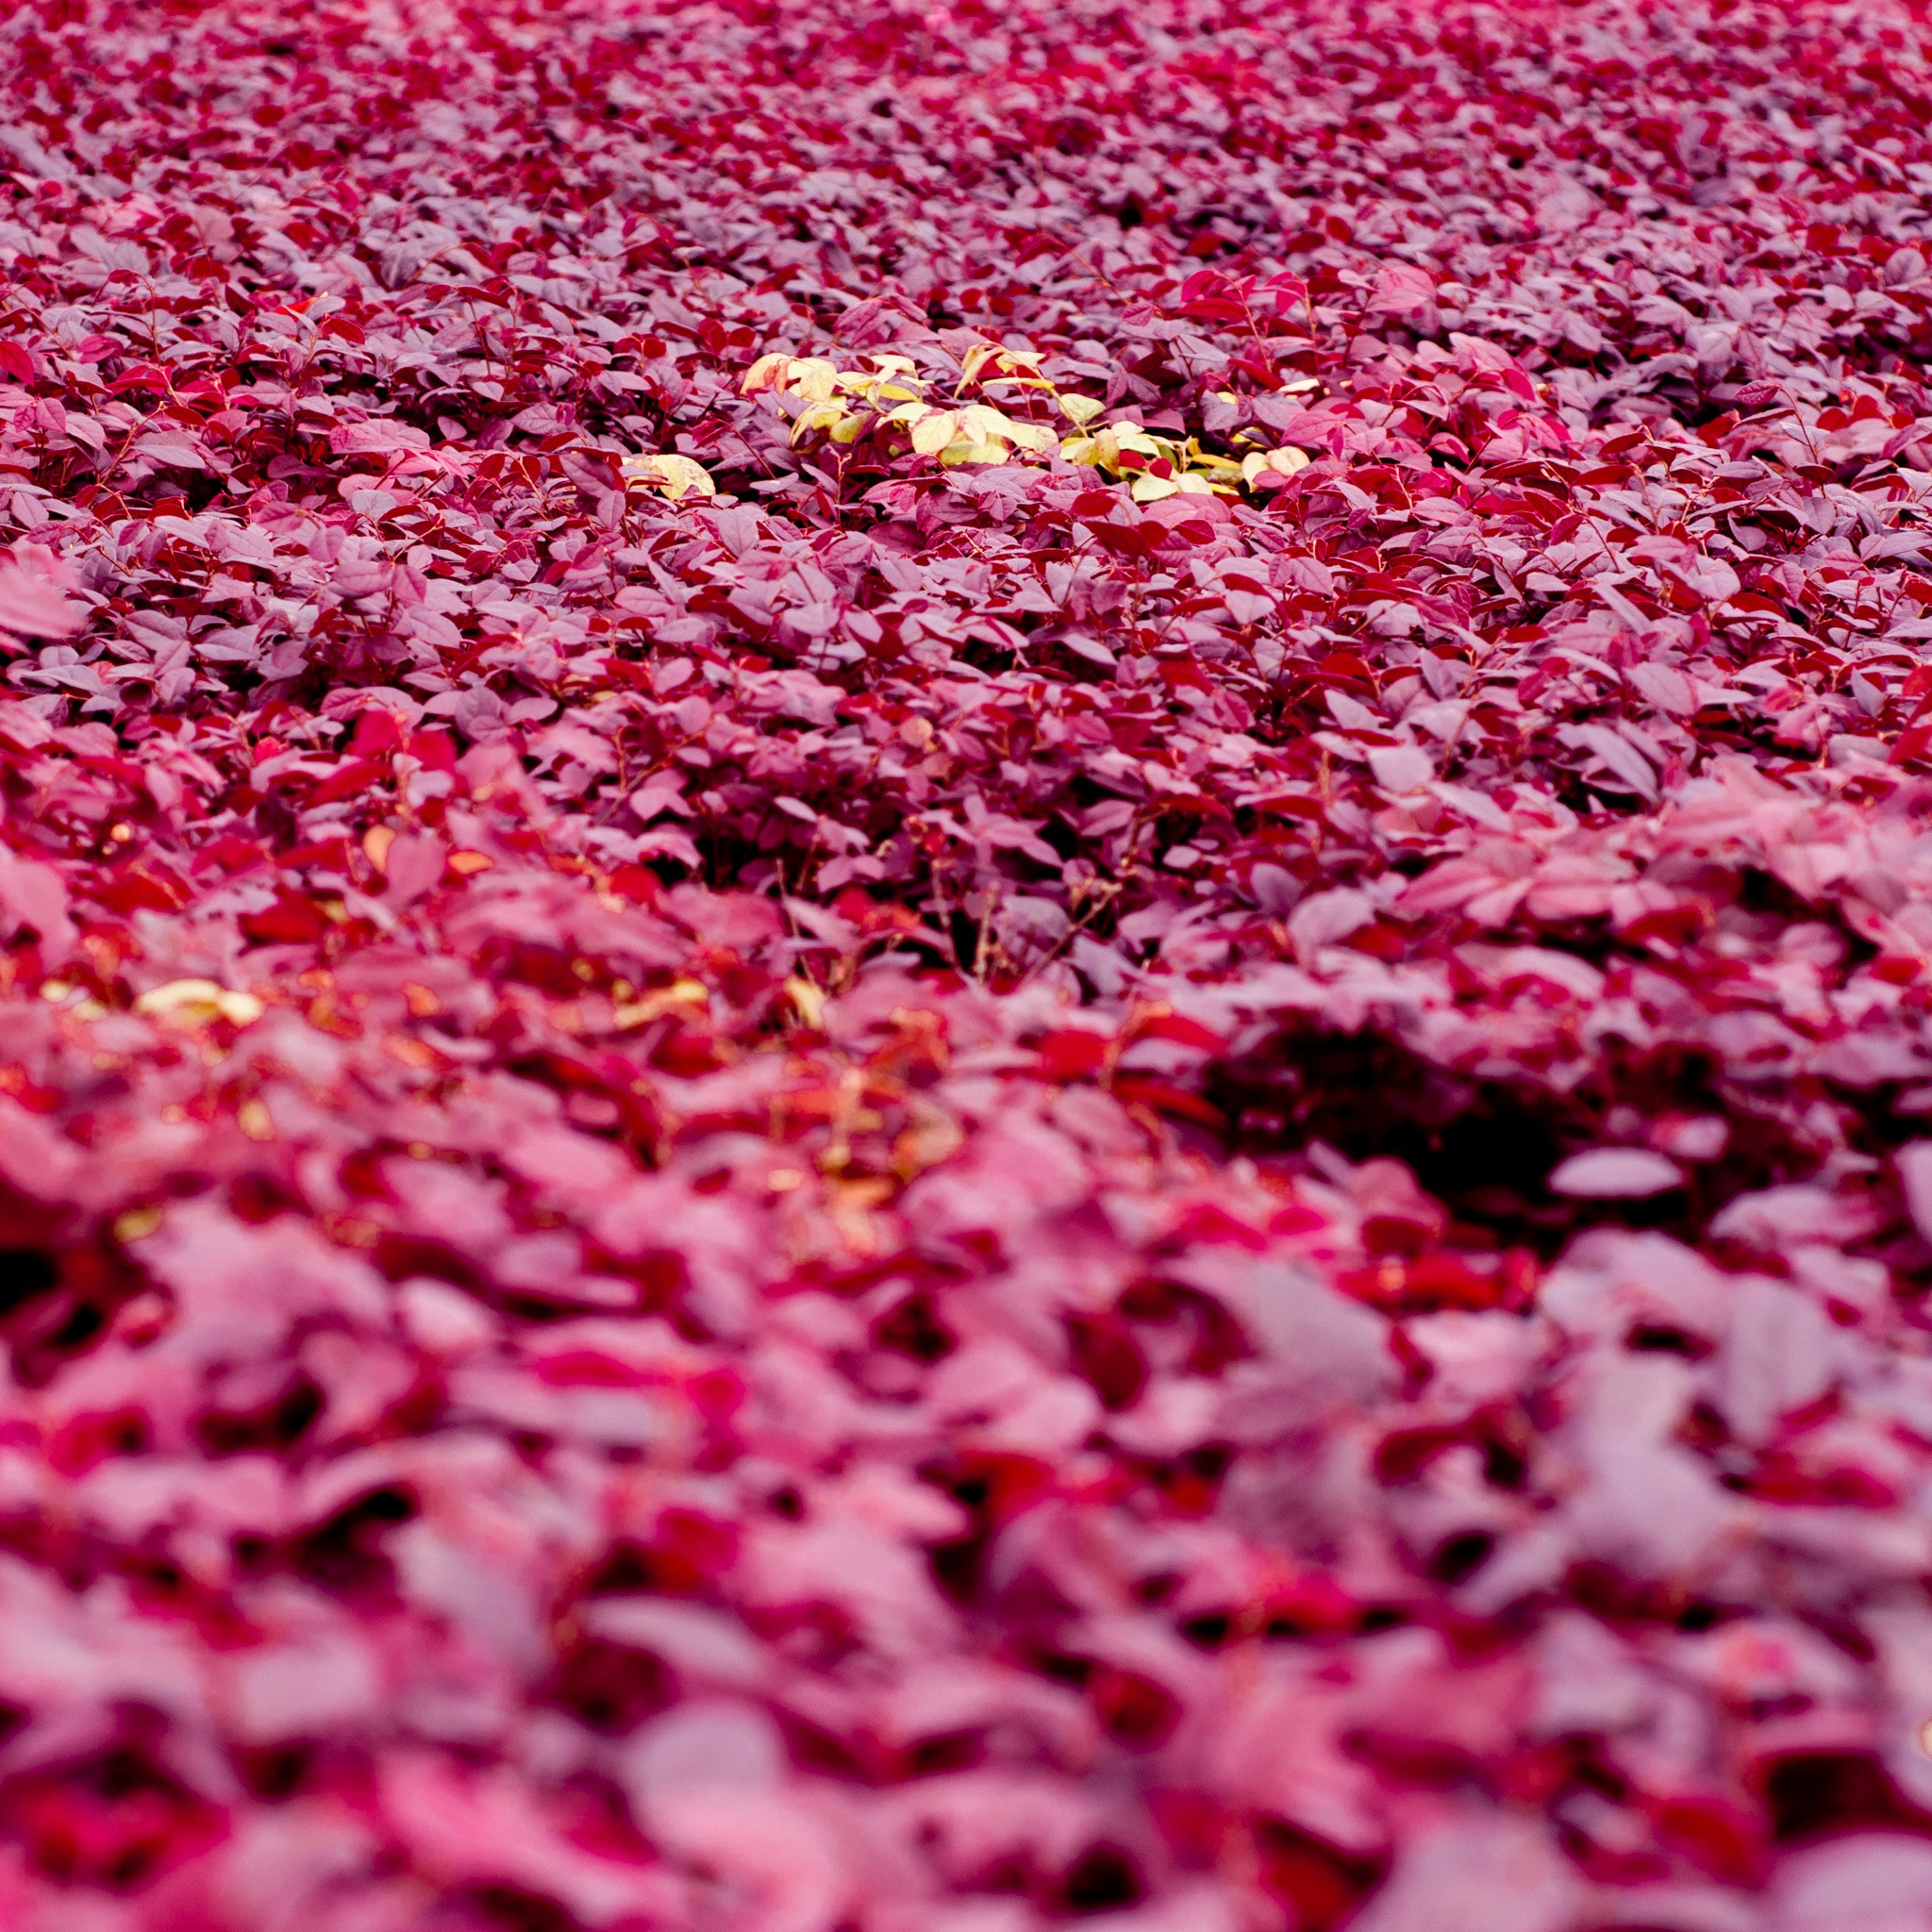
(197, 1000)
(673, 476)
(846, 403)
(1283, 462)
(890, 397)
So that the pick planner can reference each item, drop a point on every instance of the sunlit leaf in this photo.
(675, 475)
(932, 433)
(197, 1000)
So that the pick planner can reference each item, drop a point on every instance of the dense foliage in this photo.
(965, 965)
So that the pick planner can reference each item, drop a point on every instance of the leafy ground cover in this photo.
(965, 967)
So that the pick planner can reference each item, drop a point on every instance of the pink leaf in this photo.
(1615, 1173)
(414, 863)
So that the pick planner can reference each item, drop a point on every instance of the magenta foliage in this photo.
(940, 1195)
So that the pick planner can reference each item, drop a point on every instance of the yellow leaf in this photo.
(1192, 483)
(1080, 449)
(137, 1223)
(768, 372)
(675, 475)
(1080, 410)
(819, 416)
(982, 423)
(812, 377)
(977, 356)
(666, 999)
(1199, 458)
(1149, 488)
(684, 476)
(1034, 436)
(1282, 463)
(808, 1001)
(198, 1000)
(846, 428)
(931, 433)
